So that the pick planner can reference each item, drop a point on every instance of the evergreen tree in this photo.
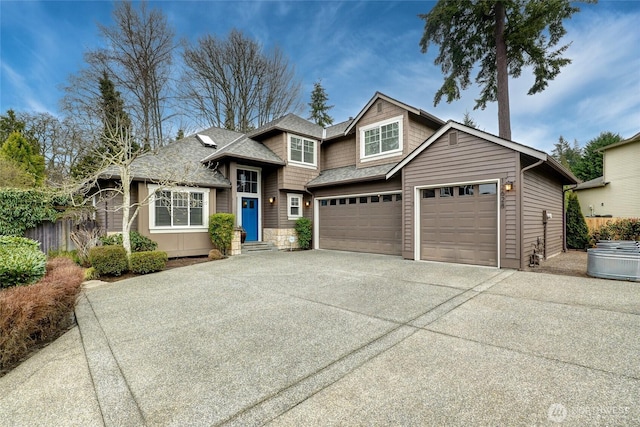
(116, 126)
(500, 39)
(18, 150)
(577, 231)
(590, 165)
(319, 107)
(468, 120)
(567, 155)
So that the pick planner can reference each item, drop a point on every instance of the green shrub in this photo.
(72, 255)
(90, 274)
(623, 229)
(221, 230)
(215, 255)
(21, 261)
(139, 243)
(304, 230)
(24, 209)
(148, 261)
(109, 260)
(577, 231)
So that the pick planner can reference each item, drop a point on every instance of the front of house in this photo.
(393, 180)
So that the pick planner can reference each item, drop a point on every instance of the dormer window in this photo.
(381, 139)
(302, 151)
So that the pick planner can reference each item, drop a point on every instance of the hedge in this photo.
(221, 230)
(24, 209)
(109, 260)
(148, 261)
(139, 243)
(304, 230)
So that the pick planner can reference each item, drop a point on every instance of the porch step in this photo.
(249, 247)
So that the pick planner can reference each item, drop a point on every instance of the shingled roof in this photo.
(246, 149)
(348, 174)
(289, 123)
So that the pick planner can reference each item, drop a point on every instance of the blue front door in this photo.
(250, 218)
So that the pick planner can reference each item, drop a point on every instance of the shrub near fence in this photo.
(594, 223)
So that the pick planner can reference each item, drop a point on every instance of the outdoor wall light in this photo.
(307, 203)
(508, 186)
(272, 200)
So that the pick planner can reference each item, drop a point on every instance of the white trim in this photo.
(382, 154)
(240, 195)
(153, 229)
(300, 198)
(302, 163)
(416, 212)
(471, 131)
(316, 209)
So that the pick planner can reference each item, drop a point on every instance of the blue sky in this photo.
(356, 48)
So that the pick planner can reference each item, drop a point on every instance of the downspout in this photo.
(522, 171)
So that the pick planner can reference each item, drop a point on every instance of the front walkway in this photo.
(323, 337)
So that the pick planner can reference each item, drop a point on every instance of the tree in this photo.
(116, 126)
(18, 150)
(567, 155)
(12, 175)
(468, 120)
(235, 84)
(502, 37)
(319, 108)
(590, 165)
(577, 231)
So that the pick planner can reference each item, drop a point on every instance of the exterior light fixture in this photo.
(307, 203)
(272, 200)
(508, 186)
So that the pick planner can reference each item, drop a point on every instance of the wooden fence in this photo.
(56, 236)
(594, 223)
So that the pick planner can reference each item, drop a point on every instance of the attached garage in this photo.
(361, 223)
(459, 223)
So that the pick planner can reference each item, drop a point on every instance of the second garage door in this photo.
(370, 224)
(459, 224)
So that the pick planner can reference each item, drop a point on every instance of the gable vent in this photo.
(453, 138)
(206, 140)
(380, 107)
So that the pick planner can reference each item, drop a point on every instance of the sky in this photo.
(356, 48)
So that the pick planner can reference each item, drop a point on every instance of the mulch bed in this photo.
(570, 263)
(172, 263)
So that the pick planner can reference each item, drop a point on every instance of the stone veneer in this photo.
(236, 247)
(280, 237)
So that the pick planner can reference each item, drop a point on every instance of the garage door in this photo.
(370, 224)
(459, 224)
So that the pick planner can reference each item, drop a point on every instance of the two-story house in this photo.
(393, 180)
(615, 193)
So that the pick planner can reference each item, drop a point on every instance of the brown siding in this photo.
(296, 177)
(471, 160)
(417, 134)
(369, 187)
(338, 154)
(270, 211)
(541, 191)
(222, 200)
(109, 212)
(278, 144)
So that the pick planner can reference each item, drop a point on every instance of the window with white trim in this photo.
(294, 206)
(302, 151)
(381, 139)
(178, 208)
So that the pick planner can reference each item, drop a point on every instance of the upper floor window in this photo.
(178, 208)
(381, 139)
(302, 151)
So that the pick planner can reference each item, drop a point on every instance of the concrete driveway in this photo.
(336, 338)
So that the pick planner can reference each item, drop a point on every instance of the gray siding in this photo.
(369, 187)
(471, 160)
(542, 191)
(109, 214)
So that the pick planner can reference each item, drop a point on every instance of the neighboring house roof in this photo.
(594, 183)
(349, 174)
(246, 149)
(540, 155)
(436, 122)
(289, 123)
(634, 138)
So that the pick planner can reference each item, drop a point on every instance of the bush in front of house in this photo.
(221, 230)
(109, 260)
(577, 231)
(139, 243)
(148, 261)
(40, 312)
(21, 261)
(304, 231)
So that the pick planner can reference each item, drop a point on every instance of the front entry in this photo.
(250, 218)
